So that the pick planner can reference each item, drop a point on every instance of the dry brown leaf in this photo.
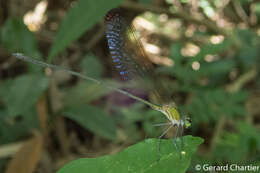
(27, 158)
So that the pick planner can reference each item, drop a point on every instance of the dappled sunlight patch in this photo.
(34, 19)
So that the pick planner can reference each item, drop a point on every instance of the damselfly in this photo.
(130, 59)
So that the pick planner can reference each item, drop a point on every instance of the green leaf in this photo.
(142, 157)
(16, 37)
(93, 119)
(79, 19)
(21, 94)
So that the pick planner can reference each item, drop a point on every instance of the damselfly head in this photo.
(187, 122)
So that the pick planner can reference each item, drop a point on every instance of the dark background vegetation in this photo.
(52, 118)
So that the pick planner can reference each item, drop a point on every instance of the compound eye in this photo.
(187, 122)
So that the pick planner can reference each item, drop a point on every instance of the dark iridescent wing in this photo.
(129, 56)
(117, 33)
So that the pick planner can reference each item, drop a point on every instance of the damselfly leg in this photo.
(159, 141)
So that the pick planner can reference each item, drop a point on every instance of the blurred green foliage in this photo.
(201, 94)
